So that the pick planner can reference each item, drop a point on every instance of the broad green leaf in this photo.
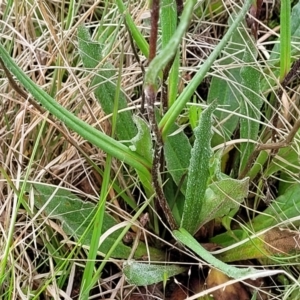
(223, 196)
(177, 150)
(198, 173)
(174, 197)
(225, 87)
(104, 84)
(142, 144)
(160, 60)
(88, 132)
(186, 239)
(285, 207)
(268, 245)
(286, 160)
(251, 102)
(143, 274)
(76, 215)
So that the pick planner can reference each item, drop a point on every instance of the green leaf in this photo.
(251, 103)
(105, 87)
(142, 144)
(88, 132)
(198, 173)
(223, 196)
(177, 150)
(285, 207)
(76, 216)
(225, 87)
(172, 114)
(142, 274)
(186, 239)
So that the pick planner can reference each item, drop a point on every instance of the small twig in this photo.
(275, 146)
(287, 79)
(150, 96)
(271, 146)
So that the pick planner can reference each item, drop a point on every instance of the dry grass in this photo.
(42, 258)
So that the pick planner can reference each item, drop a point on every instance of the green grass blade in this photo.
(97, 138)
(136, 35)
(170, 117)
(285, 38)
(161, 60)
(198, 173)
(168, 23)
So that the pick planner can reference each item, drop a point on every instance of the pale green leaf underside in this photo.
(142, 274)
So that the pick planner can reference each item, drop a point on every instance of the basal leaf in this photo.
(223, 196)
(225, 87)
(104, 84)
(285, 207)
(251, 102)
(76, 215)
(198, 173)
(143, 274)
(142, 144)
(186, 239)
(177, 149)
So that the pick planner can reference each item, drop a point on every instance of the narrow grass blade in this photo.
(198, 173)
(168, 26)
(285, 38)
(137, 36)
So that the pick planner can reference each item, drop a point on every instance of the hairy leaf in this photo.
(76, 215)
(198, 173)
(145, 274)
(104, 84)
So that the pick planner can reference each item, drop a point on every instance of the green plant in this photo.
(198, 184)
